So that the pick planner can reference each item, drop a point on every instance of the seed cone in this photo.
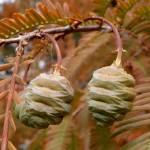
(110, 94)
(45, 101)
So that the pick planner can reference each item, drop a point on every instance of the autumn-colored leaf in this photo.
(2, 116)
(27, 62)
(19, 80)
(10, 145)
(7, 66)
(17, 98)
(12, 123)
(3, 95)
(4, 82)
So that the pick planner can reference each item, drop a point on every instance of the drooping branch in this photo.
(117, 36)
(58, 52)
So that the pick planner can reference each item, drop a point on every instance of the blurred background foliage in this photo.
(83, 53)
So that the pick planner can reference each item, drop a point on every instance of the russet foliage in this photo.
(93, 50)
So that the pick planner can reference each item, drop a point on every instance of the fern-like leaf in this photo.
(140, 143)
(119, 13)
(101, 6)
(141, 117)
(140, 23)
(59, 137)
(32, 19)
(142, 27)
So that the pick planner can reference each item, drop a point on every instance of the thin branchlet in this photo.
(19, 51)
(117, 36)
(58, 52)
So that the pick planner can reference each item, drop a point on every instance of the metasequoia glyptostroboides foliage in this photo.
(47, 98)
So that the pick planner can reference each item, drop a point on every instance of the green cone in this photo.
(110, 94)
(45, 101)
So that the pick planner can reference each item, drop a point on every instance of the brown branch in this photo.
(66, 29)
(74, 28)
(10, 99)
